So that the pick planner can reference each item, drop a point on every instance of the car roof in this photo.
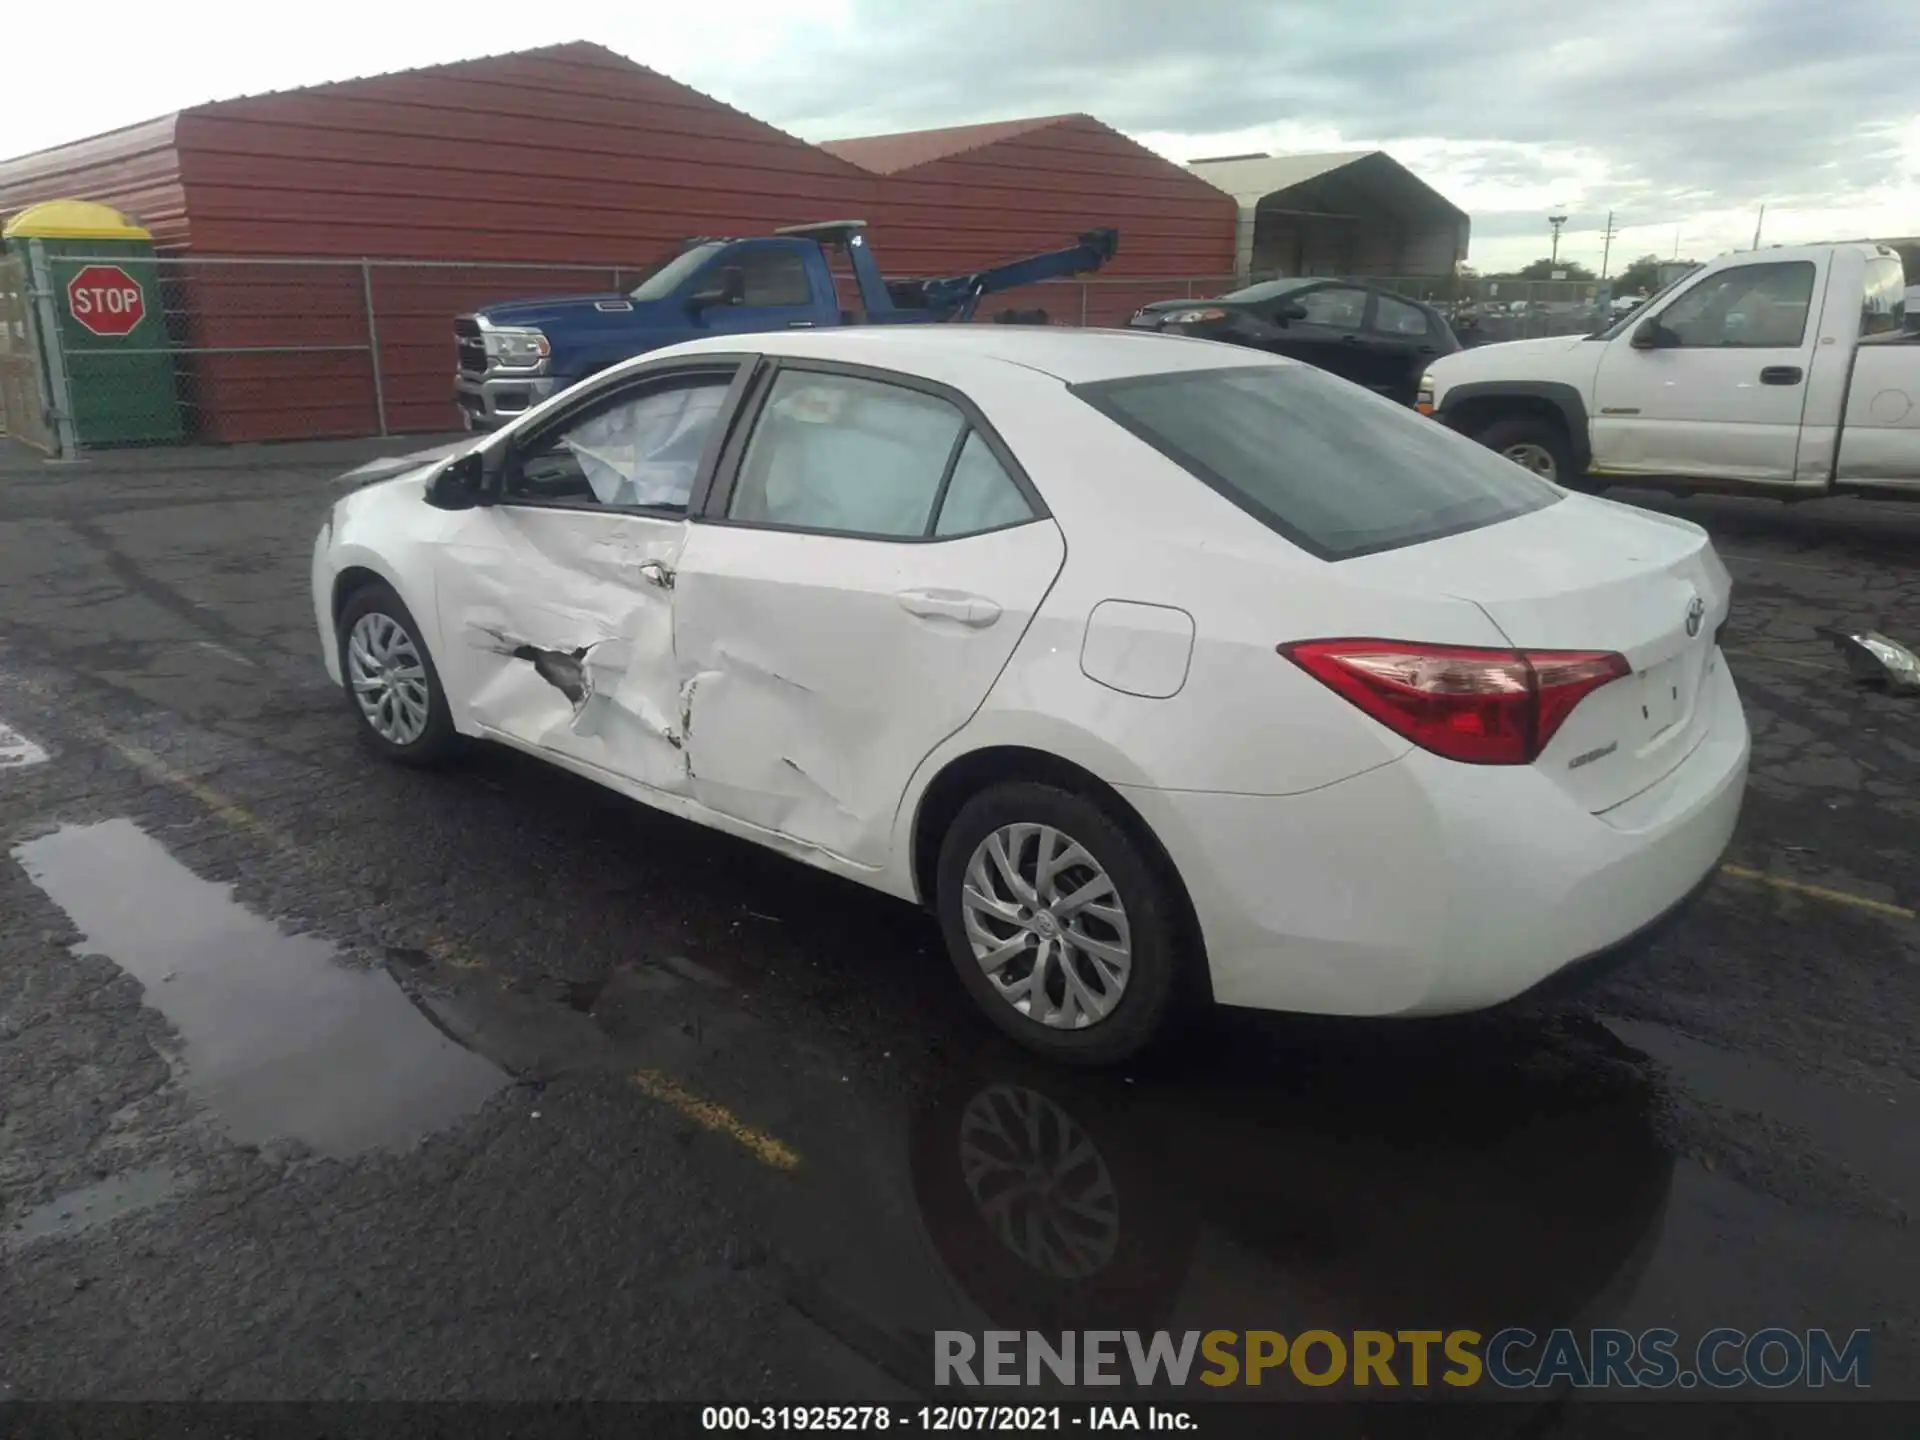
(1074, 356)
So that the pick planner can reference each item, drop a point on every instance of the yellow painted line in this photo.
(223, 808)
(717, 1118)
(1820, 892)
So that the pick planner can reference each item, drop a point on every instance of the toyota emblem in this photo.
(1696, 612)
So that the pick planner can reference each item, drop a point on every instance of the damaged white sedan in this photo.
(1157, 669)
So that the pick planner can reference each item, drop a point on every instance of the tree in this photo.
(1642, 277)
(1543, 269)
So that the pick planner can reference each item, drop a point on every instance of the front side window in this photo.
(641, 449)
(1335, 470)
(1340, 306)
(864, 457)
(1884, 310)
(1750, 307)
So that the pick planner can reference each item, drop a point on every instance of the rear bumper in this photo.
(1427, 887)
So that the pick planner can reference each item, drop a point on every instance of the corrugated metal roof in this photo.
(886, 154)
(1249, 178)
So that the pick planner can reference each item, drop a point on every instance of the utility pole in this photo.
(1676, 242)
(1606, 250)
(1758, 222)
(1556, 221)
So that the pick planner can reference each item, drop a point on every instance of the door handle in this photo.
(975, 611)
(654, 573)
(1349, 339)
(799, 325)
(1780, 375)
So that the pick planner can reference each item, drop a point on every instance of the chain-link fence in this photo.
(283, 349)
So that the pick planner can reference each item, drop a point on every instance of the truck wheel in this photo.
(1533, 444)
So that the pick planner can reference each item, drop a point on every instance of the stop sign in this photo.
(106, 300)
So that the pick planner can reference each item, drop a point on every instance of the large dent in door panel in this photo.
(582, 682)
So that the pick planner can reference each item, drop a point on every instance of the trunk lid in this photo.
(1589, 574)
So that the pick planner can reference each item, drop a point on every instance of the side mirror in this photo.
(729, 287)
(1288, 310)
(461, 486)
(1652, 335)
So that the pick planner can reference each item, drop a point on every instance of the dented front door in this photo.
(558, 628)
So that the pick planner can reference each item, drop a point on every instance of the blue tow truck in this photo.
(515, 354)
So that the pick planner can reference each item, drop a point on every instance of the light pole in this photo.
(1556, 221)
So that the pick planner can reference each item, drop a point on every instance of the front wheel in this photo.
(1062, 929)
(390, 679)
(1533, 444)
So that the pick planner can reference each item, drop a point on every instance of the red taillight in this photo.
(1483, 707)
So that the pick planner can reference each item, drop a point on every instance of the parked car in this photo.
(1050, 631)
(1786, 372)
(1361, 332)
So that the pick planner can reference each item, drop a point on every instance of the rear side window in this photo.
(1337, 471)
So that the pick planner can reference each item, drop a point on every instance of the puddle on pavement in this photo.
(1338, 1188)
(280, 1038)
(1870, 1132)
(94, 1205)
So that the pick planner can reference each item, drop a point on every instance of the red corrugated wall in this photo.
(1036, 191)
(571, 154)
(566, 155)
(135, 170)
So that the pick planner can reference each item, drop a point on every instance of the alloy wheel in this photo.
(388, 678)
(1047, 926)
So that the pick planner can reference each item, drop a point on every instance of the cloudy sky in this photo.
(1681, 116)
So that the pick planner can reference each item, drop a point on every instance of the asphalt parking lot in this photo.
(612, 1107)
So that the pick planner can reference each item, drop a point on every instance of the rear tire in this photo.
(390, 681)
(1062, 929)
(1537, 445)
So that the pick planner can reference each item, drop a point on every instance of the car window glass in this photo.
(640, 450)
(1332, 468)
(981, 495)
(1885, 308)
(1397, 317)
(835, 452)
(1748, 306)
(1336, 305)
(774, 277)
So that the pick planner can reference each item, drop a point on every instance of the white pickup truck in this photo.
(1785, 372)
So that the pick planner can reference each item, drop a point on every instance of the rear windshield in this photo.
(1336, 470)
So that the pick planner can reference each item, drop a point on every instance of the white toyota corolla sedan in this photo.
(1157, 669)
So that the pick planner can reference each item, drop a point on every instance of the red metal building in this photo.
(569, 155)
(956, 197)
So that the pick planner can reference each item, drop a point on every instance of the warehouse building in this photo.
(1353, 212)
